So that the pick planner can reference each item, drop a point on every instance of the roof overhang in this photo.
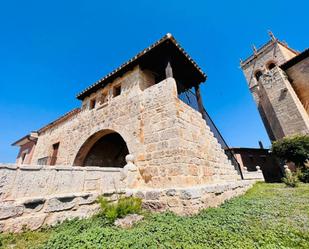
(303, 55)
(32, 137)
(155, 57)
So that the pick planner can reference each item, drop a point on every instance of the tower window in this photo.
(258, 75)
(104, 97)
(271, 65)
(117, 90)
(92, 104)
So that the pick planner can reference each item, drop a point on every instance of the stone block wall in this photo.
(299, 77)
(170, 141)
(35, 196)
(273, 52)
(285, 113)
(190, 200)
(25, 153)
(18, 182)
(279, 104)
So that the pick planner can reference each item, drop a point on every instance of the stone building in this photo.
(250, 159)
(137, 109)
(140, 131)
(278, 78)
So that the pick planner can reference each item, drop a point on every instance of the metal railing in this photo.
(189, 97)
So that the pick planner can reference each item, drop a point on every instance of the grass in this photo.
(267, 216)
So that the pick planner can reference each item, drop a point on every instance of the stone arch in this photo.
(258, 74)
(104, 148)
(271, 64)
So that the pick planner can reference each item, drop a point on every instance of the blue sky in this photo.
(51, 50)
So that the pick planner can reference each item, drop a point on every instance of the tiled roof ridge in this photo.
(59, 120)
(168, 36)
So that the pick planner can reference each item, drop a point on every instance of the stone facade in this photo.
(132, 135)
(282, 104)
(171, 142)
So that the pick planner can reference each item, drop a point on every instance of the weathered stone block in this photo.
(31, 222)
(173, 202)
(10, 210)
(154, 205)
(91, 185)
(87, 199)
(128, 221)
(171, 192)
(60, 204)
(190, 194)
(152, 195)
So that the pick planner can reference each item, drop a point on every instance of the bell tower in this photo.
(280, 108)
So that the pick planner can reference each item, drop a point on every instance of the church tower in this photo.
(282, 111)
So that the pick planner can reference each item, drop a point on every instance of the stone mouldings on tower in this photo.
(281, 107)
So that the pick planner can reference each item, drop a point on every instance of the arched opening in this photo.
(104, 149)
(271, 65)
(258, 75)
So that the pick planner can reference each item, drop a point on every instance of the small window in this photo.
(92, 104)
(104, 98)
(23, 157)
(54, 154)
(258, 75)
(271, 65)
(117, 90)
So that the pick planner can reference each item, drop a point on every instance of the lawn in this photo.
(267, 216)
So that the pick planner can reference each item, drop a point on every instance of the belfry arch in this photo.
(105, 148)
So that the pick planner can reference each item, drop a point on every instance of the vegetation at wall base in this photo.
(294, 149)
(124, 206)
(291, 179)
(267, 216)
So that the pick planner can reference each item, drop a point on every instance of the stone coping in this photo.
(199, 189)
(60, 167)
(33, 199)
(205, 188)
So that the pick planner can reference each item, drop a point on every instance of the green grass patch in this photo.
(267, 216)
